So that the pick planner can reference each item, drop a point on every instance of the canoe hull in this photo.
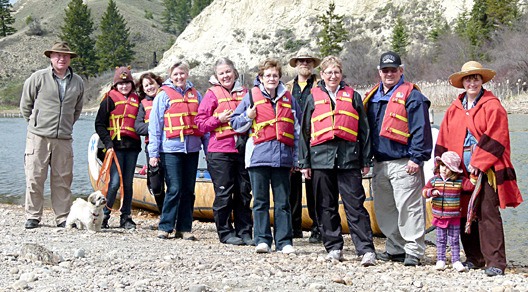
(205, 195)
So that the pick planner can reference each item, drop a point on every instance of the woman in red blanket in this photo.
(476, 127)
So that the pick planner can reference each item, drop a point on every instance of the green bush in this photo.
(10, 95)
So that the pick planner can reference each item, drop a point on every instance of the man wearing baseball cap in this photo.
(51, 102)
(401, 142)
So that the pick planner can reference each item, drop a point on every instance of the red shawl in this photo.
(488, 122)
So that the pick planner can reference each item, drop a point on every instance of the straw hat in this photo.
(304, 53)
(60, 47)
(451, 160)
(471, 68)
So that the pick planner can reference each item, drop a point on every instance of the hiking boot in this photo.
(470, 265)
(127, 223)
(248, 241)
(335, 255)
(297, 234)
(315, 236)
(234, 240)
(31, 223)
(493, 271)
(105, 225)
(385, 256)
(369, 259)
(411, 261)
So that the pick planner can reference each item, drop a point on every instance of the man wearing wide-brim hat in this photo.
(304, 62)
(475, 126)
(51, 102)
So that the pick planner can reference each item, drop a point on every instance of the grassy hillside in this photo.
(21, 54)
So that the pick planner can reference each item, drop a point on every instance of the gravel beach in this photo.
(57, 259)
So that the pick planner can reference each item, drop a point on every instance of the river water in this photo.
(12, 182)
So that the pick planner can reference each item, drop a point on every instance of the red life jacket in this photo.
(226, 101)
(147, 105)
(395, 125)
(123, 117)
(342, 122)
(179, 117)
(272, 124)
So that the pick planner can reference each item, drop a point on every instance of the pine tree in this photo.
(77, 31)
(333, 33)
(6, 19)
(198, 6)
(113, 46)
(176, 15)
(400, 37)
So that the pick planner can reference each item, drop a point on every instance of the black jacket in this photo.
(336, 153)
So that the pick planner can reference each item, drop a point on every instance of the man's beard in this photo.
(305, 72)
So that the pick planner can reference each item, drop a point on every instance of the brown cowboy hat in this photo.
(60, 47)
(304, 53)
(471, 68)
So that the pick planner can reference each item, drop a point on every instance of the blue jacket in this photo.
(420, 143)
(157, 140)
(270, 153)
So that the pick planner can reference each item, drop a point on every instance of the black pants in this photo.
(232, 195)
(328, 184)
(156, 183)
(296, 201)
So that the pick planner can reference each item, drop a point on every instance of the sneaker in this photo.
(493, 271)
(385, 256)
(315, 236)
(287, 249)
(262, 248)
(188, 236)
(62, 224)
(369, 259)
(31, 223)
(411, 261)
(459, 267)
(441, 265)
(234, 240)
(470, 265)
(335, 255)
(127, 223)
(163, 234)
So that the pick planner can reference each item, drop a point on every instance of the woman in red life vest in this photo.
(334, 151)
(147, 88)
(115, 126)
(475, 126)
(225, 161)
(175, 142)
(272, 116)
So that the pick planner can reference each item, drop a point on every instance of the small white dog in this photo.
(87, 214)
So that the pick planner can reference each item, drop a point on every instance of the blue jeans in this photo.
(279, 177)
(127, 161)
(180, 177)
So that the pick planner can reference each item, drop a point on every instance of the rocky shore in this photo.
(57, 259)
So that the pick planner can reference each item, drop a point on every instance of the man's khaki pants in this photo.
(57, 154)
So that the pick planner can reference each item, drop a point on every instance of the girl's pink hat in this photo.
(451, 160)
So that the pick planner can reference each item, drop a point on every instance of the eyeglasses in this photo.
(271, 76)
(307, 61)
(389, 70)
(330, 73)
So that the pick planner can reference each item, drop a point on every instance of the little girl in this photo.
(445, 189)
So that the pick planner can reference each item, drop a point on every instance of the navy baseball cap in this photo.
(390, 60)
